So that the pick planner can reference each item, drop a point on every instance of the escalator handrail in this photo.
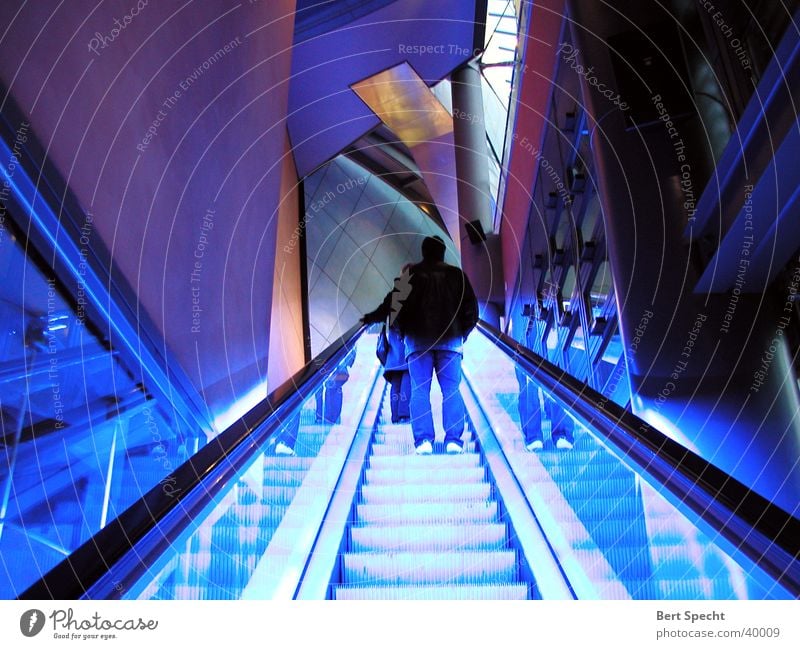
(763, 531)
(128, 545)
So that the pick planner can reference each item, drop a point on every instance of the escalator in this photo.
(427, 527)
(353, 513)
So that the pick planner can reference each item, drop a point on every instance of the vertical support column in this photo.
(480, 252)
(469, 136)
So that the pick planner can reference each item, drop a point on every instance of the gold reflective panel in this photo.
(405, 104)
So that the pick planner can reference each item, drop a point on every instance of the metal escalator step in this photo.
(424, 476)
(406, 447)
(461, 591)
(425, 462)
(669, 529)
(190, 566)
(550, 457)
(284, 478)
(398, 568)
(283, 463)
(609, 508)
(277, 494)
(592, 472)
(239, 537)
(268, 514)
(618, 533)
(614, 488)
(181, 591)
(611, 589)
(405, 435)
(424, 493)
(428, 538)
(405, 514)
(677, 588)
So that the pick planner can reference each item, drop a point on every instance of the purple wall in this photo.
(169, 127)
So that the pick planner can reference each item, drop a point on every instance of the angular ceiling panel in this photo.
(325, 115)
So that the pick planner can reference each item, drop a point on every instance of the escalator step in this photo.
(550, 457)
(670, 529)
(283, 478)
(406, 447)
(592, 472)
(601, 509)
(405, 435)
(239, 537)
(284, 464)
(463, 591)
(416, 493)
(188, 592)
(424, 476)
(424, 462)
(614, 488)
(259, 514)
(618, 532)
(428, 538)
(405, 514)
(689, 589)
(399, 568)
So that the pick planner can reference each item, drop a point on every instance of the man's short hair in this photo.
(433, 249)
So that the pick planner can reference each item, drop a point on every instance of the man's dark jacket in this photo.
(436, 301)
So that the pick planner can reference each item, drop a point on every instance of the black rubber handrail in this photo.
(111, 562)
(764, 532)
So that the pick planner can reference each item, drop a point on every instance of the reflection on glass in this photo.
(590, 218)
(615, 536)
(577, 355)
(601, 290)
(250, 542)
(79, 437)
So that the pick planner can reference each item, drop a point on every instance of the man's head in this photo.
(433, 249)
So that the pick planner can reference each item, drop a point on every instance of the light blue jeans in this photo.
(447, 365)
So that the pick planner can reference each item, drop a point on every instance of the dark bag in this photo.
(382, 350)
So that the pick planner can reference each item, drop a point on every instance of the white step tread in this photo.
(490, 536)
(516, 591)
(409, 513)
(398, 568)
